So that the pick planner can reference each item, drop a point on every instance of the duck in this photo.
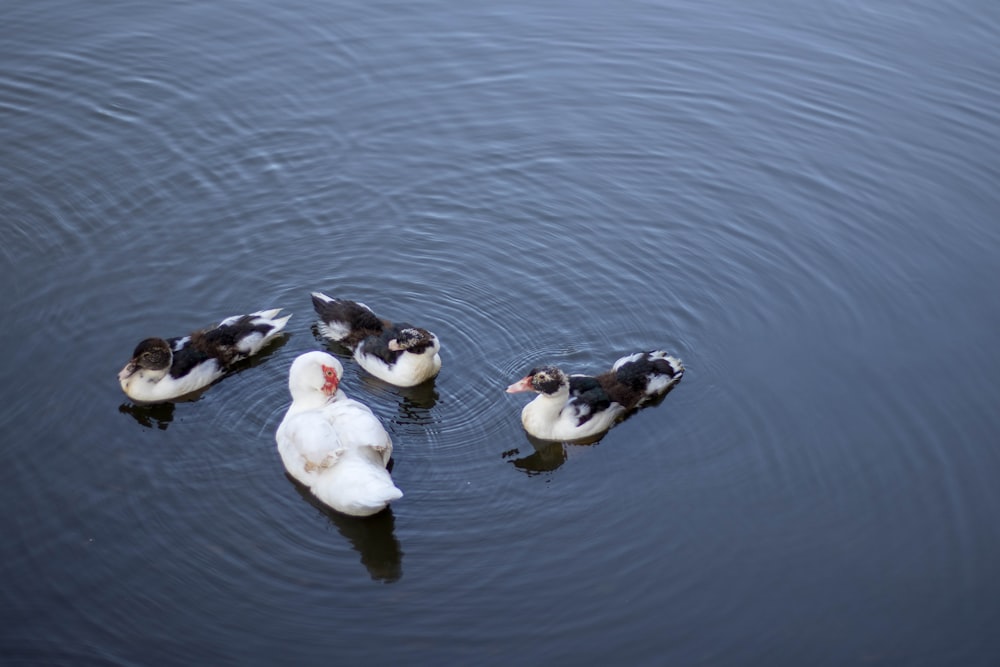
(333, 444)
(163, 369)
(580, 407)
(400, 354)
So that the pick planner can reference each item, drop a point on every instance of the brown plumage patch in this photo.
(628, 385)
(625, 394)
(219, 343)
(152, 353)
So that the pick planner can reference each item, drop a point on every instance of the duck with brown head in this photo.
(165, 369)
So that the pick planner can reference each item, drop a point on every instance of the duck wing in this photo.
(345, 321)
(308, 443)
(587, 397)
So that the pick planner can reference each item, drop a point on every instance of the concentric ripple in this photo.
(798, 202)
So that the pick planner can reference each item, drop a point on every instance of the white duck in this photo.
(165, 369)
(333, 444)
(577, 407)
(400, 354)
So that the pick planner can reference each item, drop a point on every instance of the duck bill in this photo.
(524, 384)
(127, 372)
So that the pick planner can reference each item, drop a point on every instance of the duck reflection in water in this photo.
(416, 403)
(373, 537)
(159, 415)
(546, 457)
(155, 415)
(548, 454)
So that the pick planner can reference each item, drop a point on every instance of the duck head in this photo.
(314, 375)
(151, 359)
(547, 380)
(413, 339)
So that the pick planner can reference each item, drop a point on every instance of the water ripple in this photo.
(797, 203)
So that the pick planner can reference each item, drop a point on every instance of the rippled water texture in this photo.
(799, 199)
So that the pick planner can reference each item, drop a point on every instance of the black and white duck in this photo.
(162, 369)
(398, 353)
(578, 407)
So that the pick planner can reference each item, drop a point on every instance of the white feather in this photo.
(337, 331)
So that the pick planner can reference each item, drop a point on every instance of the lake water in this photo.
(801, 200)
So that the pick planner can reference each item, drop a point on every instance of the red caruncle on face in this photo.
(330, 374)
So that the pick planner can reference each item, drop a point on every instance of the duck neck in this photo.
(545, 409)
(313, 400)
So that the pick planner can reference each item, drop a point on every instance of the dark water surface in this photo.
(799, 199)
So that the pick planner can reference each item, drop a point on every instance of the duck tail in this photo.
(377, 498)
(343, 320)
(333, 323)
(321, 301)
(357, 489)
(240, 336)
(271, 319)
(653, 373)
